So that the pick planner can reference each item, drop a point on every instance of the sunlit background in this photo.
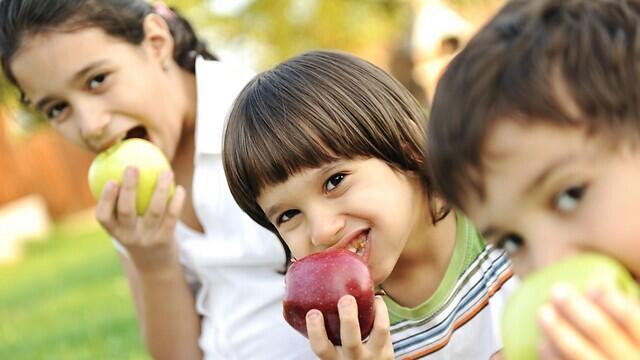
(62, 292)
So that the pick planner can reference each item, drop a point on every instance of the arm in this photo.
(170, 327)
(163, 300)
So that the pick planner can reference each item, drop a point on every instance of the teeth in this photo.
(358, 245)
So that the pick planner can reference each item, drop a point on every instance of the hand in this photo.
(149, 239)
(378, 345)
(604, 324)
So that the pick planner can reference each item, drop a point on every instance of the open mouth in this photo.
(359, 245)
(138, 132)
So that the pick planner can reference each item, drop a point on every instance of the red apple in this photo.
(318, 281)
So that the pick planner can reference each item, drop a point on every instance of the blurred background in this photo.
(62, 292)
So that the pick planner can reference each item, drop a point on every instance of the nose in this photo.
(91, 120)
(325, 227)
(548, 242)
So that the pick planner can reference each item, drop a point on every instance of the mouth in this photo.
(138, 132)
(358, 245)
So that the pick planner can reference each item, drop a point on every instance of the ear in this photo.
(158, 39)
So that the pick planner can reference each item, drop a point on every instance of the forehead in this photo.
(515, 154)
(293, 187)
(47, 59)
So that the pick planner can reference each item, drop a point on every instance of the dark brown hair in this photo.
(563, 62)
(119, 18)
(313, 109)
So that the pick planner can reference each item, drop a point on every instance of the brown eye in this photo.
(286, 216)
(569, 199)
(510, 243)
(55, 110)
(334, 181)
(96, 81)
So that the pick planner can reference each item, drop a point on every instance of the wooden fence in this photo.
(45, 164)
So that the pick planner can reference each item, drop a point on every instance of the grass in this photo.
(67, 299)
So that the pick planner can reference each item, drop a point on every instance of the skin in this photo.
(553, 192)
(126, 86)
(330, 207)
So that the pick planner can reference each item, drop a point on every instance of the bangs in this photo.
(277, 142)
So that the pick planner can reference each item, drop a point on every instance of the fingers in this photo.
(380, 336)
(173, 211)
(564, 338)
(106, 205)
(350, 327)
(547, 351)
(126, 203)
(320, 344)
(624, 310)
(593, 323)
(116, 210)
(377, 347)
(158, 203)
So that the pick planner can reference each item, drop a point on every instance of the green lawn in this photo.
(67, 299)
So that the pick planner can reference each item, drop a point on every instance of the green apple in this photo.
(520, 333)
(142, 154)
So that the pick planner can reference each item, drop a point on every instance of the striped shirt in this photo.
(461, 319)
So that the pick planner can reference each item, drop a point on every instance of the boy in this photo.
(534, 135)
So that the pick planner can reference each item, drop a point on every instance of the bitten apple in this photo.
(520, 331)
(111, 163)
(318, 281)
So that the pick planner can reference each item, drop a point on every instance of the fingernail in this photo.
(595, 292)
(313, 314)
(131, 171)
(546, 314)
(109, 186)
(561, 292)
(346, 301)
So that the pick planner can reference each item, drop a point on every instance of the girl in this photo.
(325, 150)
(206, 281)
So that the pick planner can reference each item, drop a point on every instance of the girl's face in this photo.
(96, 89)
(552, 192)
(360, 204)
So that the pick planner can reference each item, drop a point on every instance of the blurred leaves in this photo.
(283, 28)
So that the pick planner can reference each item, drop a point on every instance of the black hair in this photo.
(119, 18)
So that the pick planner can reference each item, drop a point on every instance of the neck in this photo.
(183, 157)
(424, 260)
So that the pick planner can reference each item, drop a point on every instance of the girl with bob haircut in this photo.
(206, 281)
(325, 151)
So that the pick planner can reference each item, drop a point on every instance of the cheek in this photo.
(299, 245)
(70, 132)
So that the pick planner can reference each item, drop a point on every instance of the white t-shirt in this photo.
(232, 267)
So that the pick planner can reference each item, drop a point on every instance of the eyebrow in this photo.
(547, 171)
(78, 75)
(535, 183)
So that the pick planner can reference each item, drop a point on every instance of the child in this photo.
(534, 134)
(324, 150)
(104, 70)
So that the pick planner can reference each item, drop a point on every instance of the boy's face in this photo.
(553, 191)
(359, 204)
(94, 88)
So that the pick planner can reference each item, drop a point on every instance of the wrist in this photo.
(158, 259)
